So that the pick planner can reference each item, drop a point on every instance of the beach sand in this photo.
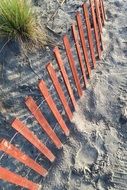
(94, 156)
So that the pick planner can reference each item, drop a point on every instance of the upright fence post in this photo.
(11, 177)
(79, 54)
(11, 150)
(98, 15)
(64, 75)
(89, 33)
(44, 90)
(59, 90)
(32, 106)
(23, 130)
(96, 31)
(83, 42)
(72, 64)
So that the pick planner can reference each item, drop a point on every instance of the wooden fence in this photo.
(94, 20)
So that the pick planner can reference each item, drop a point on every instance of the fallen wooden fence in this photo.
(97, 12)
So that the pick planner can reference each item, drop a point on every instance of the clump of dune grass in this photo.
(18, 21)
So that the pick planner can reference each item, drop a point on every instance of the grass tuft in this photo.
(18, 21)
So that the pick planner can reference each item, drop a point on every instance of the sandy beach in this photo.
(94, 156)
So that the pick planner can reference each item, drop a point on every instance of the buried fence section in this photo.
(13, 178)
(31, 104)
(98, 17)
(11, 150)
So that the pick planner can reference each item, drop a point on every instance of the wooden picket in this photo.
(64, 75)
(83, 42)
(31, 104)
(72, 64)
(89, 33)
(59, 90)
(13, 178)
(97, 11)
(75, 35)
(33, 139)
(44, 90)
(96, 31)
(102, 13)
(11, 150)
(98, 15)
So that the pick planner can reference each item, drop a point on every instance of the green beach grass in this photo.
(18, 21)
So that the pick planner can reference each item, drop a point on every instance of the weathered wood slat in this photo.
(13, 178)
(72, 64)
(59, 90)
(14, 152)
(33, 139)
(44, 90)
(32, 106)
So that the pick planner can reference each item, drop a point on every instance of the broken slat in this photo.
(32, 106)
(72, 64)
(59, 90)
(64, 75)
(83, 42)
(44, 90)
(75, 35)
(11, 150)
(13, 178)
(33, 139)
(98, 15)
(89, 33)
(96, 31)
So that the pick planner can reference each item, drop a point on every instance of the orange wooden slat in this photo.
(31, 104)
(13, 178)
(83, 42)
(11, 150)
(79, 53)
(98, 42)
(89, 33)
(98, 15)
(65, 76)
(103, 9)
(44, 90)
(33, 139)
(72, 64)
(59, 90)
(102, 13)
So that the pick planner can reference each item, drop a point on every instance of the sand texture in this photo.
(94, 156)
